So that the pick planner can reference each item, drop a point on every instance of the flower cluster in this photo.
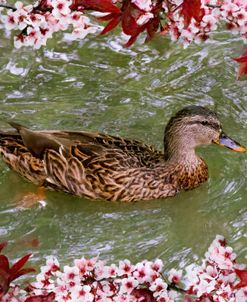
(205, 18)
(218, 279)
(92, 280)
(184, 20)
(37, 24)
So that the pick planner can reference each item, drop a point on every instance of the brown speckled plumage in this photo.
(100, 166)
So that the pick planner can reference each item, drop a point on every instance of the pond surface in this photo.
(97, 85)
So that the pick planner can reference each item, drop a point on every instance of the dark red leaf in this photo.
(43, 5)
(42, 298)
(191, 9)
(4, 285)
(21, 272)
(152, 27)
(243, 57)
(19, 264)
(4, 263)
(143, 294)
(242, 64)
(128, 17)
(3, 245)
(107, 17)
(240, 59)
(129, 21)
(131, 40)
(242, 274)
(111, 25)
(104, 6)
(4, 274)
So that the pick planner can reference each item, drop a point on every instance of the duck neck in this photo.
(189, 168)
(180, 151)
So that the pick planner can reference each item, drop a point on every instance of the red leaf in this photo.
(107, 17)
(104, 6)
(4, 263)
(4, 285)
(242, 274)
(129, 21)
(152, 27)
(191, 9)
(242, 64)
(131, 40)
(21, 273)
(43, 5)
(129, 17)
(240, 59)
(111, 25)
(3, 245)
(42, 298)
(143, 294)
(19, 264)
(4, 274)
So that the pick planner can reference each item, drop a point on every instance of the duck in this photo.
(102, 166)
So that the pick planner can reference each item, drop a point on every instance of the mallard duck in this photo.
(101, 166)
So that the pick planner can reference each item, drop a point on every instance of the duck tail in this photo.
(17, 126)
(11, 133)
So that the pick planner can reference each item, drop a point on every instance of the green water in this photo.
(97, 85)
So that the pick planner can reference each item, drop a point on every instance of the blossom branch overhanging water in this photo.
(218, 279)
(184, 20)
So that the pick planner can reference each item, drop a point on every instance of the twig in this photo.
(177, 289)
(8, 7)
(173, 286)
(213, 6)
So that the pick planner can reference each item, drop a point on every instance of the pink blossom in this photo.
(241, 295)
(81, 264)
(128, 284)
(142, 272)
(125, 267)
(61, 8)
(100, 270)
(9, 21)
(205, 286)
(157, 265)
(52, 265)
(158, 285)
(82, 294)
(175, 276)
(112, 271)
(81, 33)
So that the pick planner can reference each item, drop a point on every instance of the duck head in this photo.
(194, 126)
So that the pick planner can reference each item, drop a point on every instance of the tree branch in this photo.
(213, 6)
(8, 7)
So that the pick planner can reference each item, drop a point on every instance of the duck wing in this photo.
(86, 144)
(85, 164)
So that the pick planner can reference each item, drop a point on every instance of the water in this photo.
(97, 85)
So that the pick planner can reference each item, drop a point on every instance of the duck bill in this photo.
(229, 143)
